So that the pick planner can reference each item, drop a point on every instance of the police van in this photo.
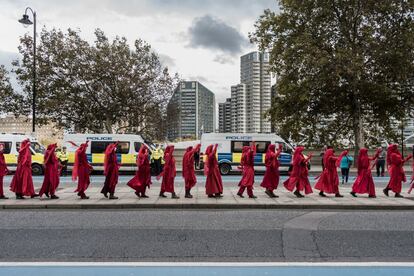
(11, 145)
(230, 145)
(127, 150)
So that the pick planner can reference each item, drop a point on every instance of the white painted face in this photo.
(1, 147)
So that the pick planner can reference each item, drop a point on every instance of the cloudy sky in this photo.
(199, 39)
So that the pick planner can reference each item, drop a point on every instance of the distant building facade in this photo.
(225, 116)
(251, 99)
(46, 133)
(191, 111)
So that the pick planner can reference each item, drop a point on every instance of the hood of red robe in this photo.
(270, 150)
(363, 158)
(393, 148)
(49, 152)
(108, 152)
(328, 153)
(81, 149)
(208, 151)
(297, 155)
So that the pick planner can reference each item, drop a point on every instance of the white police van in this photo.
(230, 147)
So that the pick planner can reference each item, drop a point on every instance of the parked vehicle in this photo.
(11, 144)
(230, 147)
(127, 150)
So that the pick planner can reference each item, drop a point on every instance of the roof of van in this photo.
(91, 136)
(240, 136)
(16, 136)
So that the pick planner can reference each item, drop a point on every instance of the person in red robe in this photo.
(298, 180)
(189, 169)
(214, 183)
(395, 163)
(247, 166)
(81, 170)
(3, 171)
(271, 176)
(111, 171)
(364, 184)
(52, 173)
(22, 182)
(168, 174)
(328, 181)
(142, 179)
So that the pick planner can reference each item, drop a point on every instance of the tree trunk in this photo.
(108, 125)
(358, 130)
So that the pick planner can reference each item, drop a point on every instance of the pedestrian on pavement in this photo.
(189, 169)
(142, 179)
(81, 170)
(380, 163)
(395, 163)
(111, 171)
(328, 181)
(298, 179)
(3, 170)
(247, 167)
(364, 184)
(52, 173)
(157, 159)
(346, 163)
(321, 154)
(22, 182)
(214, 183)
(168, 174)
(271, 178)
(63, 159)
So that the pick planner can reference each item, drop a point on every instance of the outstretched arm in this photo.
(279, 151)
(215, 149)
(407, 158)
(196, 148)
(253, 147)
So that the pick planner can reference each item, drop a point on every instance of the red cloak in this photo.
(81, 169)
(188, 167)
(395, 164)
(364, 184)
(3, 171)
(22, 182)
(298, 178)
(271, 176)
(111, 169)
(328, 181)
(169, 172)
(247, 165)
(142, 178)
(51, 165)
(214, 183)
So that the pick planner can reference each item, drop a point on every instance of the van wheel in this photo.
(225, 169)
(37, 169)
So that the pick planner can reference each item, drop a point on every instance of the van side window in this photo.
(137, 146)
(261, 146)
(100, 147)
(237, 146)
(6, 147)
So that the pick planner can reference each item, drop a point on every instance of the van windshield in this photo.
(36, 147)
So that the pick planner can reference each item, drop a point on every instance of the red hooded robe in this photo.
(188, 167)
(51, 164)
(271, 176)
(169, 172)
(395, 164)
(328, 181)
(364, 184)
(111, 169)
(214, 183)
(298, 178)
(81, 169)
(142, 178)
(22, 182)
(3, 171)
(247, 164)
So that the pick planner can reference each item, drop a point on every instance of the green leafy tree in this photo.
(107, 86)
(10, 101)
(343, 67)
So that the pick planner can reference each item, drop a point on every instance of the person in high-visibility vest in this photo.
(157, 158)
(63, 159)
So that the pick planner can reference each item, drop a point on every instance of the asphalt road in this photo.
(216, 235)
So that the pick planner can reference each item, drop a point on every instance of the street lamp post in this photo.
(26, 21)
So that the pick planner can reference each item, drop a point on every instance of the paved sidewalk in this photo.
(230, 200)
